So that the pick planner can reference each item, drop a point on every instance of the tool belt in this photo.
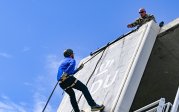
(64, 77)
(67, 81)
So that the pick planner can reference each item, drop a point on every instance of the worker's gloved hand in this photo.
(80, 67)
(129, 26)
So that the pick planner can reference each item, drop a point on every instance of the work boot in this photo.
(97, 107)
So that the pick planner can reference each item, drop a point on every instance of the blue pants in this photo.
(79, 86)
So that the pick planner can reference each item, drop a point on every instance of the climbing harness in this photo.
(71, 85)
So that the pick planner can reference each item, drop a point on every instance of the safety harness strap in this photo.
(71, 85)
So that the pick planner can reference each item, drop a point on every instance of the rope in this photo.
(50, 96)
(93, 70)
(92, 54)
(120, 37)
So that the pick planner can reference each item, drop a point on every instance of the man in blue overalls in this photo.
(67, 82)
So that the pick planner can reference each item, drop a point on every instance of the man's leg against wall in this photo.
(73, 101)
(81, 87)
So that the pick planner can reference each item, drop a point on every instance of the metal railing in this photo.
(157, 106)
(175, 107)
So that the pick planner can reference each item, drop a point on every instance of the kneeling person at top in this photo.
(144, 17)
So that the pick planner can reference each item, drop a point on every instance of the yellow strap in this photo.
(64, 77)
(71, 85)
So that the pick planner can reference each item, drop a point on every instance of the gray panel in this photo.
(114, 75)
(112, 71)
(137, 68)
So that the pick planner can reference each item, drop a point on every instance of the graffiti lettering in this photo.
(105, 82)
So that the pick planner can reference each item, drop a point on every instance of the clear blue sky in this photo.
(34, 33)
